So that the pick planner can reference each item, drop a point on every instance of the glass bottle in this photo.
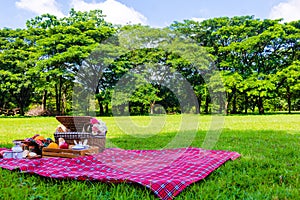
(17, 150)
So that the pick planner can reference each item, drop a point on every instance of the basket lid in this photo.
(74, 123)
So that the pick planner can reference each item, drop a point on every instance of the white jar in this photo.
(17, 150)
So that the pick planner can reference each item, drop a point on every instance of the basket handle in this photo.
(87, 128)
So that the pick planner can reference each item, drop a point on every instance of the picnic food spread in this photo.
(69, 142)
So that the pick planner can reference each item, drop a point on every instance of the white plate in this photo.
(78, 147)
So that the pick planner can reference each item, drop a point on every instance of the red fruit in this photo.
(39, 142)
(64, 146)
(1, 153)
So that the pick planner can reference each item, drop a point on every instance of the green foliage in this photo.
(48, 52)
(254, 49)
(257, 61)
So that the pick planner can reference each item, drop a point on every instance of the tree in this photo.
(17, 69)
(95, 75)
(164, 55)
(147, 95)
(288, 82)
(66, 43)
(238, 63)
(232, 83)
(246, 47)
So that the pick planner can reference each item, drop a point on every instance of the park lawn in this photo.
(269, 166)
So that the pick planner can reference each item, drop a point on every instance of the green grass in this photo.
(268, 169)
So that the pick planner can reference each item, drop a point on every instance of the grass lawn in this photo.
(269, 167)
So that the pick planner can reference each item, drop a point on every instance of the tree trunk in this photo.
(21, 109)
(60, 94)
(222, 103)
(152, 108)
(122, 109)
(261, 106)
(142, 109)
(234, 111)
(87, 106)
(129, 108)
(152, 105)
(199, 104)
(44, 100)
(253, 106)
(64, 103)
(101, 107)
(246, 103)
(227, 101)
(207, 101)
(106, 109)
(288, 94)
(57, 99)
(226, 108)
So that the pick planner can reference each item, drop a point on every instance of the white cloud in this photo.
(197, 19)
(289, 11)
(41, 7)
(116, 12)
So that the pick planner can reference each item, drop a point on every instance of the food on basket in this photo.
(36, 135)
(2, 152)
(62, 143)
(41, 138)
(99, 127)
(53, 145)
(64, 146)
(25, 153)
(61, 128)
(32, 154)
(81, 128)
(36, 143)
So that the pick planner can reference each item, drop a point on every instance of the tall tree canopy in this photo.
(241, 63)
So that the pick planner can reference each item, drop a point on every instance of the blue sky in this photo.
(157, 13)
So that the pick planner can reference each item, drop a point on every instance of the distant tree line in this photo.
(253, 64)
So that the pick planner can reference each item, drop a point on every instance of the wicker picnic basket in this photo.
(76, 131)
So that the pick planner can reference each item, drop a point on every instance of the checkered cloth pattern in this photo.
(166, 172)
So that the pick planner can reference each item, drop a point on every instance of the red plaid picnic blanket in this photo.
(166, 172)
